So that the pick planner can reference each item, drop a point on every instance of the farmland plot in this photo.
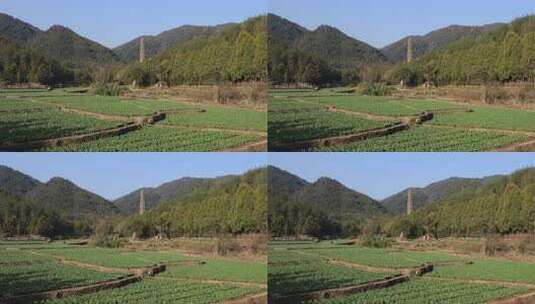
(297, 267)
(33, 267)
(447, 126)
(106, 123)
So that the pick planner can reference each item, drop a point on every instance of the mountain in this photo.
(15, 183)
(503, 204)
(325, 207)
(339, 50)
(434, 193)
(17, 30)
(502, 54)
(57, 43)
(155, 45)
(234, 53)
(69, 48)
(70, 200)
(397, 51)
(172, 191)
(58, 195)
(233, 205)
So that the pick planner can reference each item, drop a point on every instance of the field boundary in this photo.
(339, 292)
(81, 290)
(261, 298)
(338, 140)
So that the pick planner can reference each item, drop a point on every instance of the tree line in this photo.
(503, 207)
(235, 207)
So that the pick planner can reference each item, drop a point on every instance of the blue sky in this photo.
(383, 174)
(113, 22)
(381, 22)
(114, 174)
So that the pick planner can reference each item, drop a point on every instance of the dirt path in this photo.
(217, 282)
(260, 146)
(211, 129)
(486, 282)
(261, 298)
(528, 298)
(527, 146)
(339, 292)
(338, 140)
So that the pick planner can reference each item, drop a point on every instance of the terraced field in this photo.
(31, 270)
(299, 115)
(156, 138)
(431, 139)
(293, 121)
(66, 120)
(331, 272)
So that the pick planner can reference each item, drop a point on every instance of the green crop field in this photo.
(22, 272)
(384, 106)
(163, 291)
(292, 121)
(292, 272)
(300, 267)
(383, 258)
(28, 267)
(420, 291)
(297, 115)
(32, 115)
(221, 117)
(430, 139)
(162, 139)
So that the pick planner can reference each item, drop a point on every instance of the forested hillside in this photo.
(397, 51)
(434, 193)
(57, 207)
(234, 54)
(322, 208)
(237, 205)
(20, 64)
(154, 45)
(171, 191)
(506, 205)
(502, 55)
(324, 55)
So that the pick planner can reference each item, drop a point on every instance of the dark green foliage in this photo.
(72, 50)
(502, 55)
(59, 195)
(397, 52)
(434, 193)
(234, 54)
(19, 217)
(177, 190)
(19, 64)
(506, 205)
(374, 241)
(235, 206)
(319, 57)
(155, 45)
(374, 89)
(323, 208)
(107, 89)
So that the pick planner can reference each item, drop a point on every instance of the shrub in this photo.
(495, 94)
(527, 93)
(495, 246)
(373, 241)
(107, 89)
(227, 246)
(527, 245)
(375, 89)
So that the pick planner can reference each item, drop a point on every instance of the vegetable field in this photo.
(29, 269)
(432, 125)
(63, 120)
(304, 270)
